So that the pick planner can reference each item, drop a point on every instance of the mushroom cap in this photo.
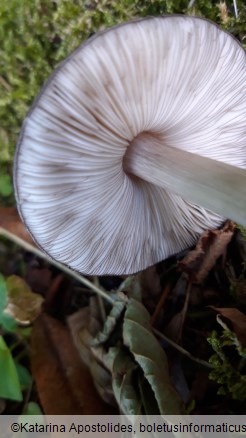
(179, 77)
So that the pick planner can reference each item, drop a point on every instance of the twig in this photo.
(183, 312)
(160, 304)
(182, 350)
(28, 247)
(235, 8)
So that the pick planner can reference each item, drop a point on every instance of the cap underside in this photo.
(180, 77)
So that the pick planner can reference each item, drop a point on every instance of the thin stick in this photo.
(235, 8)
(182, 350)
(160, 304)
(28, 247)
(184, 311)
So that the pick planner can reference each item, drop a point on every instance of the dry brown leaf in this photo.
(211, 245)
(10, 221)
(237, 322)
(84, 325)
(39, 279)
(150, 281)
(174, 330)
(78, 324)
(240, 290)
(64, 383)
(151, 289)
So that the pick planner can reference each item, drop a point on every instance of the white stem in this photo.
(211, 184)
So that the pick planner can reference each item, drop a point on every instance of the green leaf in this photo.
(32, 408)
(137, 336)
(7, 322)
(9, 382)
(24, 376)
(147, 396)
(123, 377)
(3, 294)
(132, 287)
(111, 321)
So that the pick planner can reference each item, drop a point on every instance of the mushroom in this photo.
(134, 131)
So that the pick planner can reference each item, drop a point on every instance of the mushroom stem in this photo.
(212, 184)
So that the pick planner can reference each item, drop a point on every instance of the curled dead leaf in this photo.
(211, 245)
(123, 370)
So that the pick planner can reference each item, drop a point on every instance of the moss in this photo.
(242, 231)
(228, 364)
